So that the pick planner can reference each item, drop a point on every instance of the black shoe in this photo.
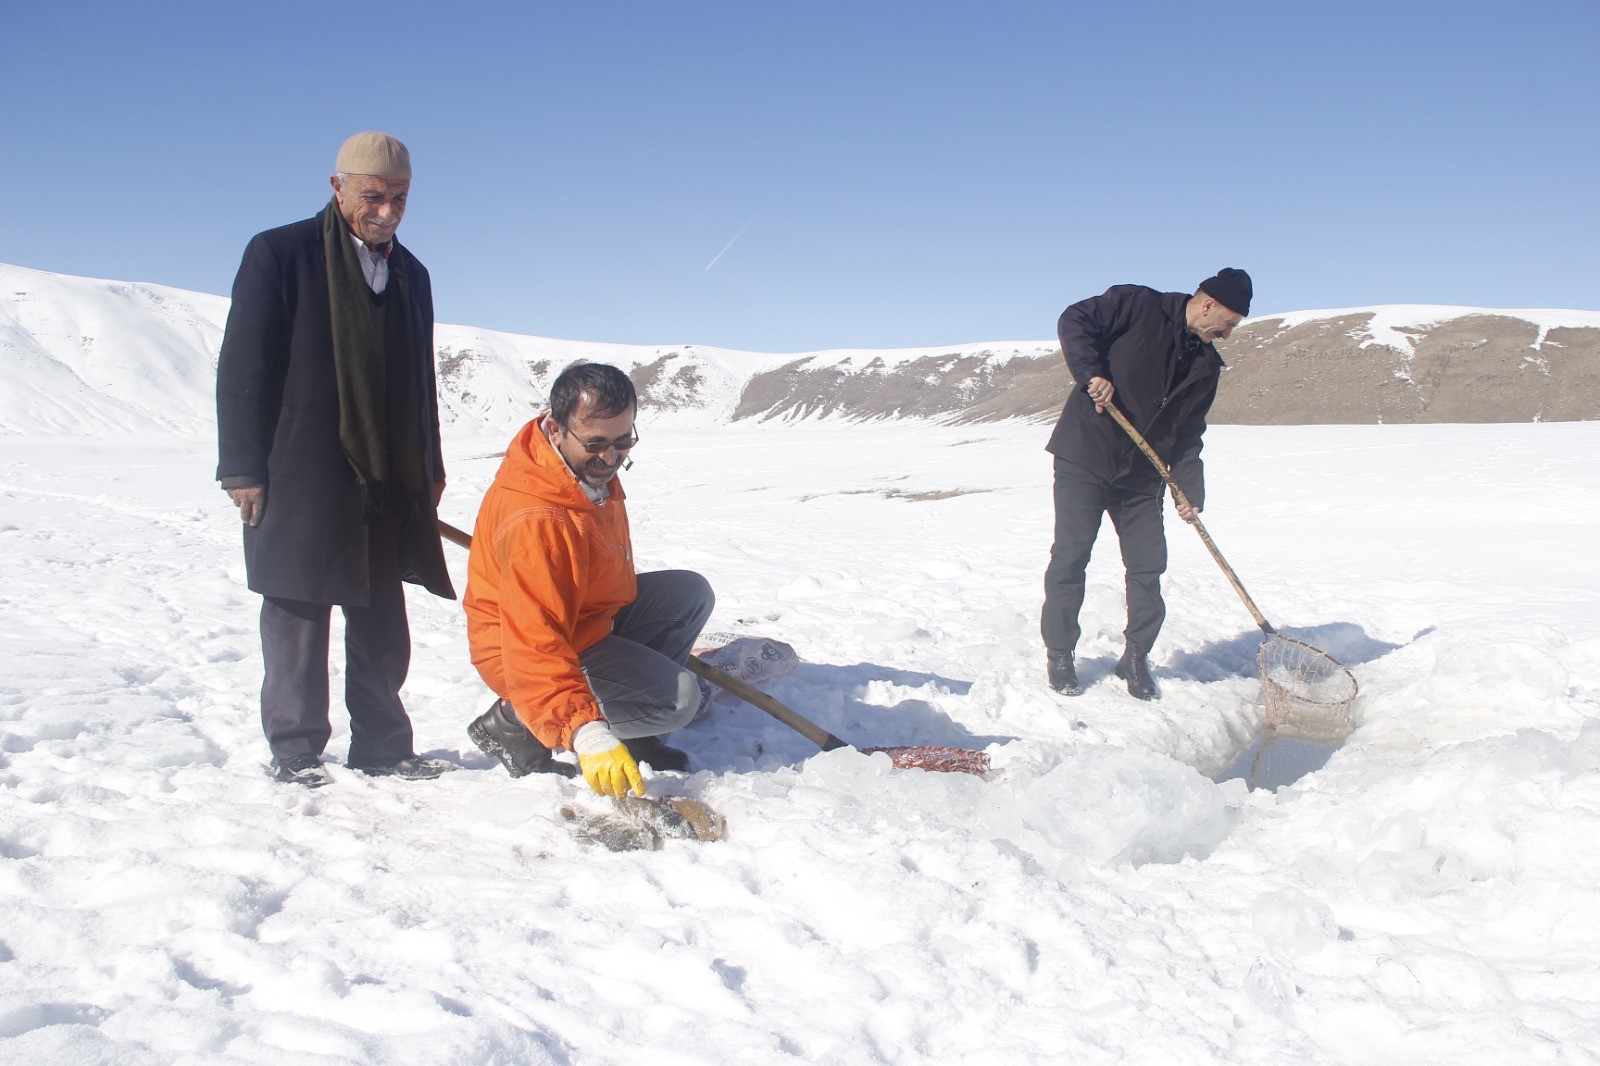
(306, 770)
(1134, 668)
(659, 755)
(408, 769)
(500, 733)
(1063, 674)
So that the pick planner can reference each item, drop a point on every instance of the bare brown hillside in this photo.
(1476, 368)
(1472, 368)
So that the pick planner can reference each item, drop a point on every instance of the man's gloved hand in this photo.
(606, 763)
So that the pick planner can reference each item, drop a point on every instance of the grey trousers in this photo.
(377, 656)
(1081, 498)
(637, 672)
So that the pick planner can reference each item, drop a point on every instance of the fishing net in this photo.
(1307, 692)
(937, 759)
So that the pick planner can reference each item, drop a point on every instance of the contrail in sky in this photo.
(736, 236)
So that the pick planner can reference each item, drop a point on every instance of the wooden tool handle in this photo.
(1199, 526)
(454, 535)
(760, 700)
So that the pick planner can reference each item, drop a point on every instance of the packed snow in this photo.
(1425, 896)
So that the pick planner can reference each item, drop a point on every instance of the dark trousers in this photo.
(377, 651)
(1081, 498)
(637, 672)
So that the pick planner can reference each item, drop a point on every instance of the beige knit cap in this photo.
(377, 154)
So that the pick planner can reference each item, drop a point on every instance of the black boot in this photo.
(1063, 674)
(499, 732)
(304, 770)
(659, 755)
(410, 768)
(1134, 668)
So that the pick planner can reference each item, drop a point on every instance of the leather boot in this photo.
(499, 732)
(659, 755)
(1134, 668)
(304, 770)
(1063, 674)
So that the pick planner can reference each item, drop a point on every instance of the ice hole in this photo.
(1279, 757)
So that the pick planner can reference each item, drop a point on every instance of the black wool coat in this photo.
(278, 425)
(1133, 336)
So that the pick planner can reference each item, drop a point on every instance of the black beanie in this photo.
(1230, 288)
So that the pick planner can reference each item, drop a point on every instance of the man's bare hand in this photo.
(1100, 390)
(1188, 512)
(251, 501)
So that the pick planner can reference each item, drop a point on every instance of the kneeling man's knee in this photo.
(688, 702)
(695, 588)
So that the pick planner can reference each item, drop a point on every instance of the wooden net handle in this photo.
(1199, 526)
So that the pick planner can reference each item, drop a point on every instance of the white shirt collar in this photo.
(374, 264)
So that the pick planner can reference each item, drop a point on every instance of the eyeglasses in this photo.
(595, 447)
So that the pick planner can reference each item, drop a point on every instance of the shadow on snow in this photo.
(864, 704)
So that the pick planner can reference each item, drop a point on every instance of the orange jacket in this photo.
(548, 571)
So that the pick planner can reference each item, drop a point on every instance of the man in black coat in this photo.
(328, 441)
(1154, 353)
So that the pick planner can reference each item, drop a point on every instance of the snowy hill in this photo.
(101, 358)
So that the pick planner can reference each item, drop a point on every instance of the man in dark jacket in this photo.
(328, 441)
(1154, 353)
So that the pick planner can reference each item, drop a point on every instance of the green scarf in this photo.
(380, 416)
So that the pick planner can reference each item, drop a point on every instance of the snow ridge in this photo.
(87, 357)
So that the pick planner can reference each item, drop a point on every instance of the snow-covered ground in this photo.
(1426, 897)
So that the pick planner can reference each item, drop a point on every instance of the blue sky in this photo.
(898, 174)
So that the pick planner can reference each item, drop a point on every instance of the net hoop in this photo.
(1306, 691)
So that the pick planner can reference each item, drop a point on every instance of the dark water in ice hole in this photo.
(1276, 759)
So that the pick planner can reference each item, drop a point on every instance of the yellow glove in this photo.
(607, 765)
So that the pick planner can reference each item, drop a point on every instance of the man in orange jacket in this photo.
(584, 653)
